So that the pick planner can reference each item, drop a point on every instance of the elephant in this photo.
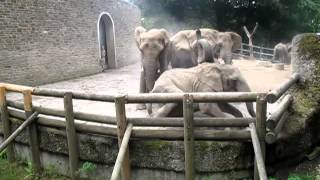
(157, 50)
(222, 44)
(205, 77)
(282, 53)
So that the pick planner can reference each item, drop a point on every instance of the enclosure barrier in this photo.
(188, 128)
(258, 51)
(278, 117)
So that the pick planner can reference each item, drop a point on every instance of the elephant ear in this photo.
(237, 40)
(166, 38)
(209, 77)
(165, 55)
(137, 34)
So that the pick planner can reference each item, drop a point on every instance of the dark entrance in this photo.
(106, 41)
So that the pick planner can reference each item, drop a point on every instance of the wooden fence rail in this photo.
(122, 153)
(25, 124)
(277, 114)
(187, 128)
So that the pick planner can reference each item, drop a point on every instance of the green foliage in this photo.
(3, 154)
(22, 171)
(279, 20)
(298, 177)
(88, 168)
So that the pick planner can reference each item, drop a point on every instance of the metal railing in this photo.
(187, 128)
(259, 52)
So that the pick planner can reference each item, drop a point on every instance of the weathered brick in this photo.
(46, 41)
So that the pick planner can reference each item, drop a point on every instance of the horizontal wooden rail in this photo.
(166, 133)
(271, 136)
(277, 114)
(155, 97)
(60, 113)
(58, 122)
(121, 154)
(167, 121)
(25, 124)
(75, 94)
(275, 94)
(16, 88)
(258, 153)
(198, 122)
(197, 97)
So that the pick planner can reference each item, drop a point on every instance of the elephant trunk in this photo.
(227, 57)
(150, 68)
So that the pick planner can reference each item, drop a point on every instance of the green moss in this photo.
(310, 46)
(156, 144)
(308, 96)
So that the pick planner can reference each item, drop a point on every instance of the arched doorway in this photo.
(106, 38)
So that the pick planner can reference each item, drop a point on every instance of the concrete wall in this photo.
(46, 41)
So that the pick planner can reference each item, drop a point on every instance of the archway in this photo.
(106, 38)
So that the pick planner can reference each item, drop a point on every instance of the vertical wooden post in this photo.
(33, 133)
(261, 108)
(260, 53)
(73, 145)
(6, 123)
(188, 137)
(121, 128)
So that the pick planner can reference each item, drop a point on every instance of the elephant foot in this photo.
(141, 107)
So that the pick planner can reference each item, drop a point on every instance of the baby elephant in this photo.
(206, 77)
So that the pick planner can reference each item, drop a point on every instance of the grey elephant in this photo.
(222, 43)
(206, 77)
(156, 52)
(282, 53)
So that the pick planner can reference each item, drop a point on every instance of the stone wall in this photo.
(300, 133)
(46, 41)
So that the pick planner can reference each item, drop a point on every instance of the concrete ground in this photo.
(126, 80)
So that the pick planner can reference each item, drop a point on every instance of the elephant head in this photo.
(152, 45)
(224, 78)
(229, 42)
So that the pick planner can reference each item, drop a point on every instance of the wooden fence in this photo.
(186, 128)
(259, 52)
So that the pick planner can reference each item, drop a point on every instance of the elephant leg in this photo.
(226, 107)
(142, 89)
(251, 109)
(164, 110)
(212, 109)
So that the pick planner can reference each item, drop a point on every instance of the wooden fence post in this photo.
(6, 123)
(33, 133)
(121, 128)
(261, 109)
(188, 137)
(73, 145)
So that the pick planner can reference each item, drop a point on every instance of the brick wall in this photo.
(45, 41)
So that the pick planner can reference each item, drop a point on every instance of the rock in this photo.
(264, 64)
(279, 66)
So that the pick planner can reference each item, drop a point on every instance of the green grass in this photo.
(22, 171)
(298, 177)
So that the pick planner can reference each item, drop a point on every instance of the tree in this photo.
(279, 20)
